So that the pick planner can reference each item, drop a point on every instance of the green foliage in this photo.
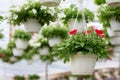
(11, 45)
(1, 35)
(34, 77)
(29, 53)
(30, 10)
(43, 42)
(99, 2)
(72, 12)
(79, 42)
(1, 19)
(21, 34)
(46, 58)
(55, 31)
(105, 13)
(19, 78)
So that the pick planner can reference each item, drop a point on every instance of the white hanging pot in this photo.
(116, 49)
(53, 41)
(114, 3)
(112, 33)
(21, 44)
(36, 57)
(115, 25)
(18, 52)
(44, 51)
(76, 25)
(115, 40)
(82, 64)
(32, 25)
(50, 3)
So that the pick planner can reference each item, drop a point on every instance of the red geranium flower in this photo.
(72, 32)
(99, 33)
(87, 32)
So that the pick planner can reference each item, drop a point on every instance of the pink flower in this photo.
(93, 27)
(74, 31)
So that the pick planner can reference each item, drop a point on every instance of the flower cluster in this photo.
(87, 32)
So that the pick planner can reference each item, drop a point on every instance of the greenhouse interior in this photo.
(59, 40)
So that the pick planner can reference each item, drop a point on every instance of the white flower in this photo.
(15, 16)
(34, 11)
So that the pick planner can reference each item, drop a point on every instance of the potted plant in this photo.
(44, 48)
(82, 50)
(15, 51)
(72, 13)
(21, 39)
(29, 53)
(32, 15)
(54, 34)
(99, 2)
(50, 3)
(33, 77)
(19, 77)
(109, 16)
(114, 3)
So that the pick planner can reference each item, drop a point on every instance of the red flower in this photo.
(87, 32)
(99, 33)
(72, 32)
(1, 56)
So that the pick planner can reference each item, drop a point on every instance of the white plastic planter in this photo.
(115, 25)
(115, 40)
(18, 52)
(76, 25)
(32, 25)
(114, 3)
(21, 44)
(44, 51)
(50, 3)
(36, 57)
(53, 41)
(82, 64)
(112, 33)
(116, 49)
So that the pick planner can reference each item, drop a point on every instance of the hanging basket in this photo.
(32, 25)
(114, 3)
(115, 25)
(115, 40)
(50, 3)
(116, 49)
(82, 64)
(21, 44)
(112, 33)
(18, 52)
(78, 25)
(44, 51)
(54, 41)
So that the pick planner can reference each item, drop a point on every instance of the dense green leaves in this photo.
(105, 13)
(86, 44)
(55, 31)
(99, 2)
(21, 34)
(72, 12)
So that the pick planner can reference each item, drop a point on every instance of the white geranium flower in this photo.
(15, 16)
(34, 11)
